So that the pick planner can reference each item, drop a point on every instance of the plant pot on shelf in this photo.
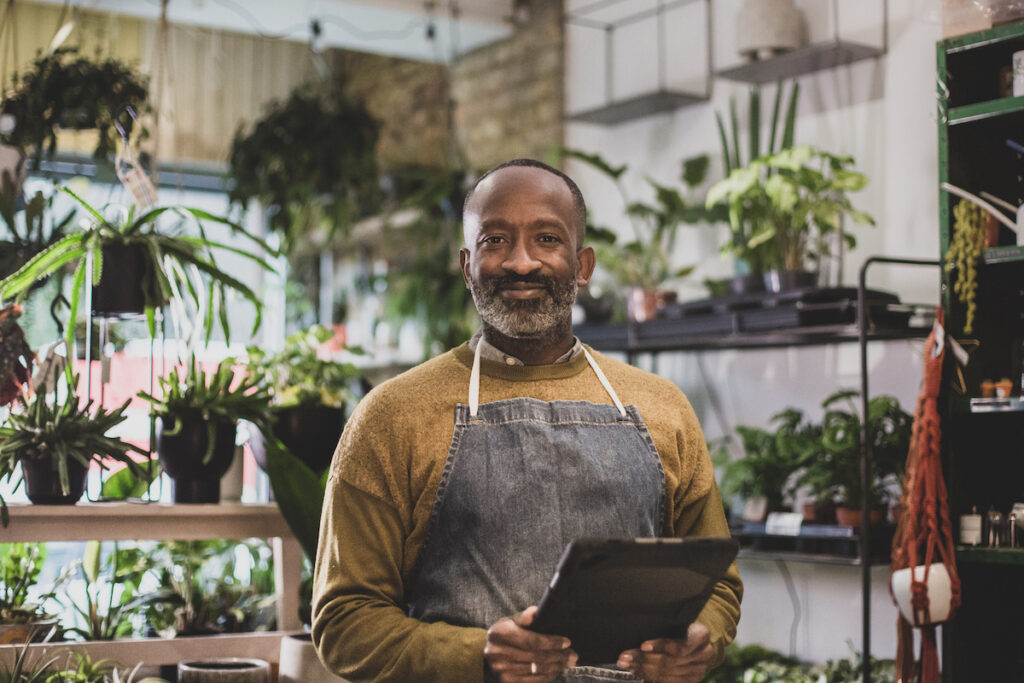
(42, 481)
(300, 662)
(767, 28)
(852, 516)
(182, 454)
(643, 303)
(31, 631)
(819, 513)
(310, 431)
(786, 280)
(745, 284)
(119, 291)
(224, 670)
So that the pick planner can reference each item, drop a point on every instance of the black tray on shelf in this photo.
(816, 539)
(764, 311)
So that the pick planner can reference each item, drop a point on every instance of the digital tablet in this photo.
(610, 595)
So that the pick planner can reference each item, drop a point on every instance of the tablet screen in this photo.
(610, 595)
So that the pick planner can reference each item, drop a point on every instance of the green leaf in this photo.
(596, 161)
(299, 493)
(695, 170)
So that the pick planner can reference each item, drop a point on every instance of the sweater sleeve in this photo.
(706, 517)
(359, 623)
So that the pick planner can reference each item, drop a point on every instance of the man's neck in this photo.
(534, 351)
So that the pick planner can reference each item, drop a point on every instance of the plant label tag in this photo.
(783, 523)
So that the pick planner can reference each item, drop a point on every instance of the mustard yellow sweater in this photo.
(381, 489)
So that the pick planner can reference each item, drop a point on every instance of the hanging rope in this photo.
(924, 535)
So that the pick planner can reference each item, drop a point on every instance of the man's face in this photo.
(522, 261)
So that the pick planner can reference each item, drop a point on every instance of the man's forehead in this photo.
(517, 178)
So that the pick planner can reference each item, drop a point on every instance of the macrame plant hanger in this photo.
(922, 549)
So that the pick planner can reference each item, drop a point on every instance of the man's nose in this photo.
(520, 259)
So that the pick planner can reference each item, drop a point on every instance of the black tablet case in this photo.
(610, 595)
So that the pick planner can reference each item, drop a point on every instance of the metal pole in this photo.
(865, 453)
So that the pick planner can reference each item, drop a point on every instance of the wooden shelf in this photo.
(801, 61)
(812, 558)
(166, 522)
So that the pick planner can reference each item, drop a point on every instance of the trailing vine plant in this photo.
(965, 248)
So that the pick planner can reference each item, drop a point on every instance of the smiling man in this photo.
(456, 485)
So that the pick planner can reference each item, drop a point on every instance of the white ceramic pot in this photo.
(224, 670)
(940, 594)
(765, 28)
(299, 662)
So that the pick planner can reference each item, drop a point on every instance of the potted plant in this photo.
(794, 200)
(311, 157)
(965, 247)
(21, 620)
(64, 89)
(197, 416)
(644, 264)
(16, 357)
(770, 459)
(309, 393)
(55, 441)
(154, 265)
(749, 268)
(888, 430)
(30, 228)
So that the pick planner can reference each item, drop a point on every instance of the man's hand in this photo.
(514, 653)
(668, 660)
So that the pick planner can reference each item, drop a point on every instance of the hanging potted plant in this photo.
(794, 200)
(309, 393)
(197, 418)
(65, 89)
(55, 440)
(154, 265)
(311, 158)
(643, 265)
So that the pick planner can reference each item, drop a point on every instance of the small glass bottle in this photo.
(970, 528)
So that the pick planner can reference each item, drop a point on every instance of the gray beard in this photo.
(536, 319)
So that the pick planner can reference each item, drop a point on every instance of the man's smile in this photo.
(523, 290)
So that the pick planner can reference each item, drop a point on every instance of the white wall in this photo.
(880, 111)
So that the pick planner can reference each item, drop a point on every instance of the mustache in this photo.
(503, 281)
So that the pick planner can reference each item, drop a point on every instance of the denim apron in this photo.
(522, 479)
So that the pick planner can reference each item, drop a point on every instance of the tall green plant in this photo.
(741, 226)
(20, 565)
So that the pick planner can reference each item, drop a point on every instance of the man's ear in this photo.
(587, 260)
(464, 265)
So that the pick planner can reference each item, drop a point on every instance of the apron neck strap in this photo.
(474, 383)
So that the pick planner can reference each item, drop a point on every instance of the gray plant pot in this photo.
(224, 670)
(766, 28)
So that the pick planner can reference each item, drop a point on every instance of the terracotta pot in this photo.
(643, 303)
(852, 516)
(16, 634)
(819, 513)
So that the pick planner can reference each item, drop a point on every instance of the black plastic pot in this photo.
(309, 430)
(744, 284)
(42, 481)
(119, 291)
(786, 280)
(181, 457)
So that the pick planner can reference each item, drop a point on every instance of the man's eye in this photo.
(492, 239)
(550, 238)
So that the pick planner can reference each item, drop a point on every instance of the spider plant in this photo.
(176, 267)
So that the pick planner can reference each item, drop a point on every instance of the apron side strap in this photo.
(605, 383)
(474, 383)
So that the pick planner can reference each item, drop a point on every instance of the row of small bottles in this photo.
(993, 529)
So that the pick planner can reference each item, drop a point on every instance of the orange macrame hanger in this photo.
(922, 549)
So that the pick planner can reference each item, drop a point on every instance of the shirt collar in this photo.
(490, 352)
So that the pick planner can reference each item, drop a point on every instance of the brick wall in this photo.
(509, 95)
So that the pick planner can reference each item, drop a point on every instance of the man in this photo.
(456, 485)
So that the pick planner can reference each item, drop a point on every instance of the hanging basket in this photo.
(935, 578)
(119, 291)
